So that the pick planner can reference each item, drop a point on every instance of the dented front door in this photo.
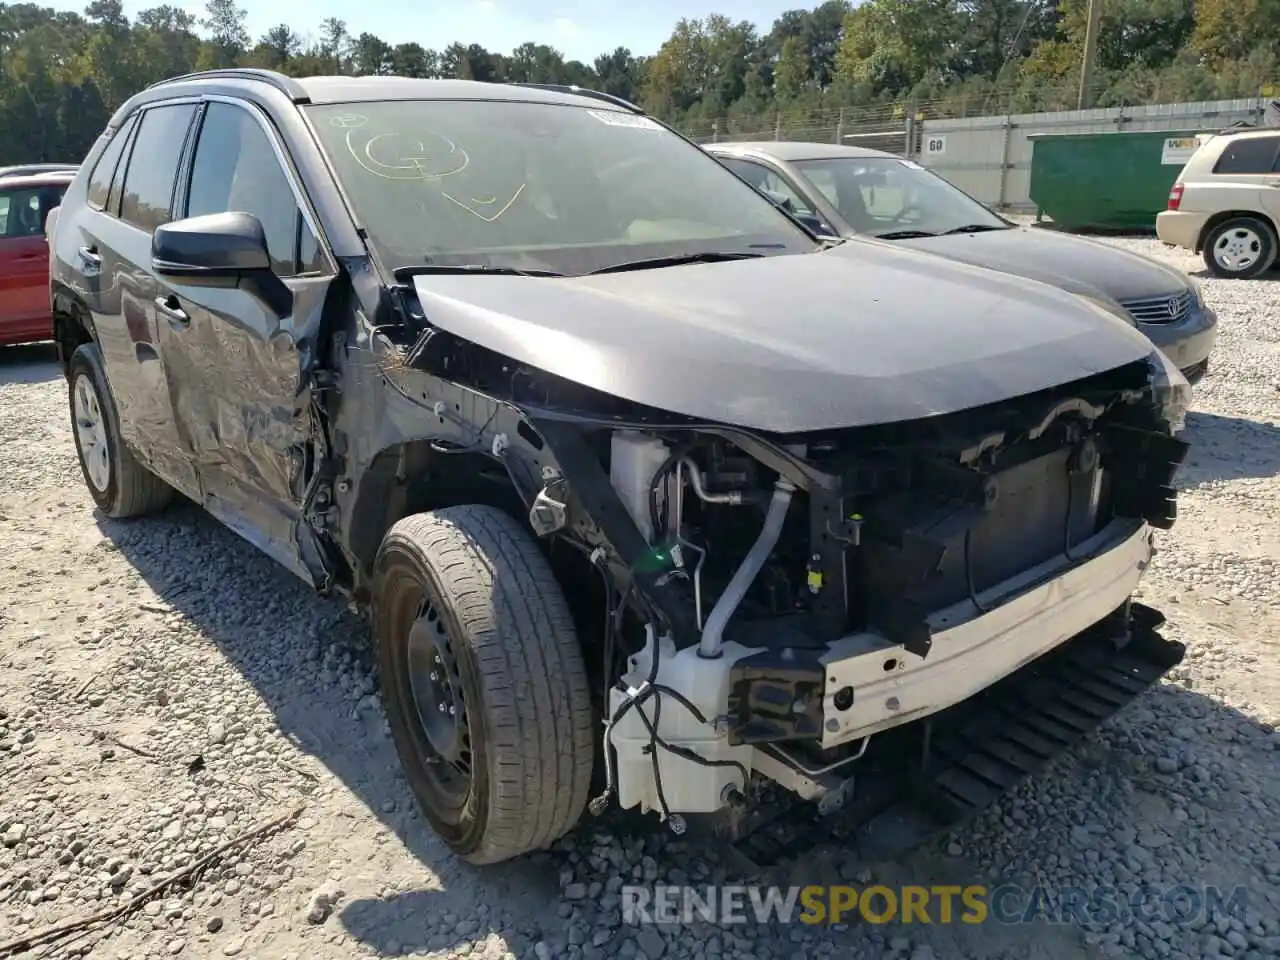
(240, 374)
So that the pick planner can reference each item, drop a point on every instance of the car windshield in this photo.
(538, 187)
(889, 195)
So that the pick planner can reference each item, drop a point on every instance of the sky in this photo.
(580, 29)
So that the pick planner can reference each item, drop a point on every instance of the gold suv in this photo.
(1225, 203)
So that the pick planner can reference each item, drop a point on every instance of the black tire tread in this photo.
(536, 701)
(138, 491)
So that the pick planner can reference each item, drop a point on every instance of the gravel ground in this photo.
(164, 688)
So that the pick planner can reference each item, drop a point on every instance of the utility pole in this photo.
(1085, 99)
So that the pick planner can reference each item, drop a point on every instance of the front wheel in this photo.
(1242, 247)
(483, 681)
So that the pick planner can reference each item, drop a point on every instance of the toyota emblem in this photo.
(1174, 304)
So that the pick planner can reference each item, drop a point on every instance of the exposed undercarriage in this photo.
(801, 610)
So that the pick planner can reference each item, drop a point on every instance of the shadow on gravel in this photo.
(1228, 448)
(1270, 276)
(309, 661)
(32, 363)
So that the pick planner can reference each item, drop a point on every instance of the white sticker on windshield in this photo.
(615, 118)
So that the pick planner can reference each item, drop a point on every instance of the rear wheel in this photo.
(1241, 247)
(483, 680)
(119, 484)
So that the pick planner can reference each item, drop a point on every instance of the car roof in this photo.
(254, 83)
(45, 179)
(788, 150)
(364, 89)
(1219, 141)
(368, 89)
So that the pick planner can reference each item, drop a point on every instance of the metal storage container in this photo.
(1107, 180)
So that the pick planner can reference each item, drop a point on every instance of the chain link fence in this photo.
(891, 123)
(981, 142)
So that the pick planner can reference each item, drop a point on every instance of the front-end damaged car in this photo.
(656, 499)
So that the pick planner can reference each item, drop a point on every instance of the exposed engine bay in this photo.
(808, 601)
(777, 604)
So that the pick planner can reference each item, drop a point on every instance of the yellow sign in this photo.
(1178, 150)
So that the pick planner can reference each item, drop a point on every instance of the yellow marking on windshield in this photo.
(477, 213)
(380, 158)
(417, 164)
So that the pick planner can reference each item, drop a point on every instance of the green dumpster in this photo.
(1106, 180)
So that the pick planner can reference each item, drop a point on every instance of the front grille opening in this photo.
(1168, 309)
(1043, 512)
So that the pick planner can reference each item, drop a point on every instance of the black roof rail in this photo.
(581, 92)
(286, 84)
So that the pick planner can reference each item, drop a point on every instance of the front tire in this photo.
(119, 484)
(1241, 248)
(483, 682)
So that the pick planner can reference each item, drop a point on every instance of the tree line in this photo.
(63, 73)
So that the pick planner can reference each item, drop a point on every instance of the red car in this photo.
(25, 202)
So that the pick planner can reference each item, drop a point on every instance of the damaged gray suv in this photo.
(655, 499)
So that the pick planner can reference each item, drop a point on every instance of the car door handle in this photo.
(90, 256)
(172, 311)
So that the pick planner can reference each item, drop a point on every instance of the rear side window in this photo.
(18, 212)
(117, 179)
(153, 165)
(751, 172)
(1249, 155)
(762, 178)
(100, 183)
(50, 197)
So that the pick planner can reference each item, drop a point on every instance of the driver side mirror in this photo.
(223, 250)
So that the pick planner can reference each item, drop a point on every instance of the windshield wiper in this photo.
(675, 261)
(972, 228)
(903, 235)
(408, 273)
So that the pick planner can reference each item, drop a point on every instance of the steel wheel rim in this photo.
(435, 683)
(1238, 249)
(91, 431)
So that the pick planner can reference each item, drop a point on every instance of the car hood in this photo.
(1073, 263)
(858, 334)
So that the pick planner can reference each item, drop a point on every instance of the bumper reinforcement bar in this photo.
(970, 755)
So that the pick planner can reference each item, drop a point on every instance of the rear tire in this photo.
(119, 484)
(1240, 248)
(483, 681)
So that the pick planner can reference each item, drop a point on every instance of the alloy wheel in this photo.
(1238, 249)
(91, 431)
